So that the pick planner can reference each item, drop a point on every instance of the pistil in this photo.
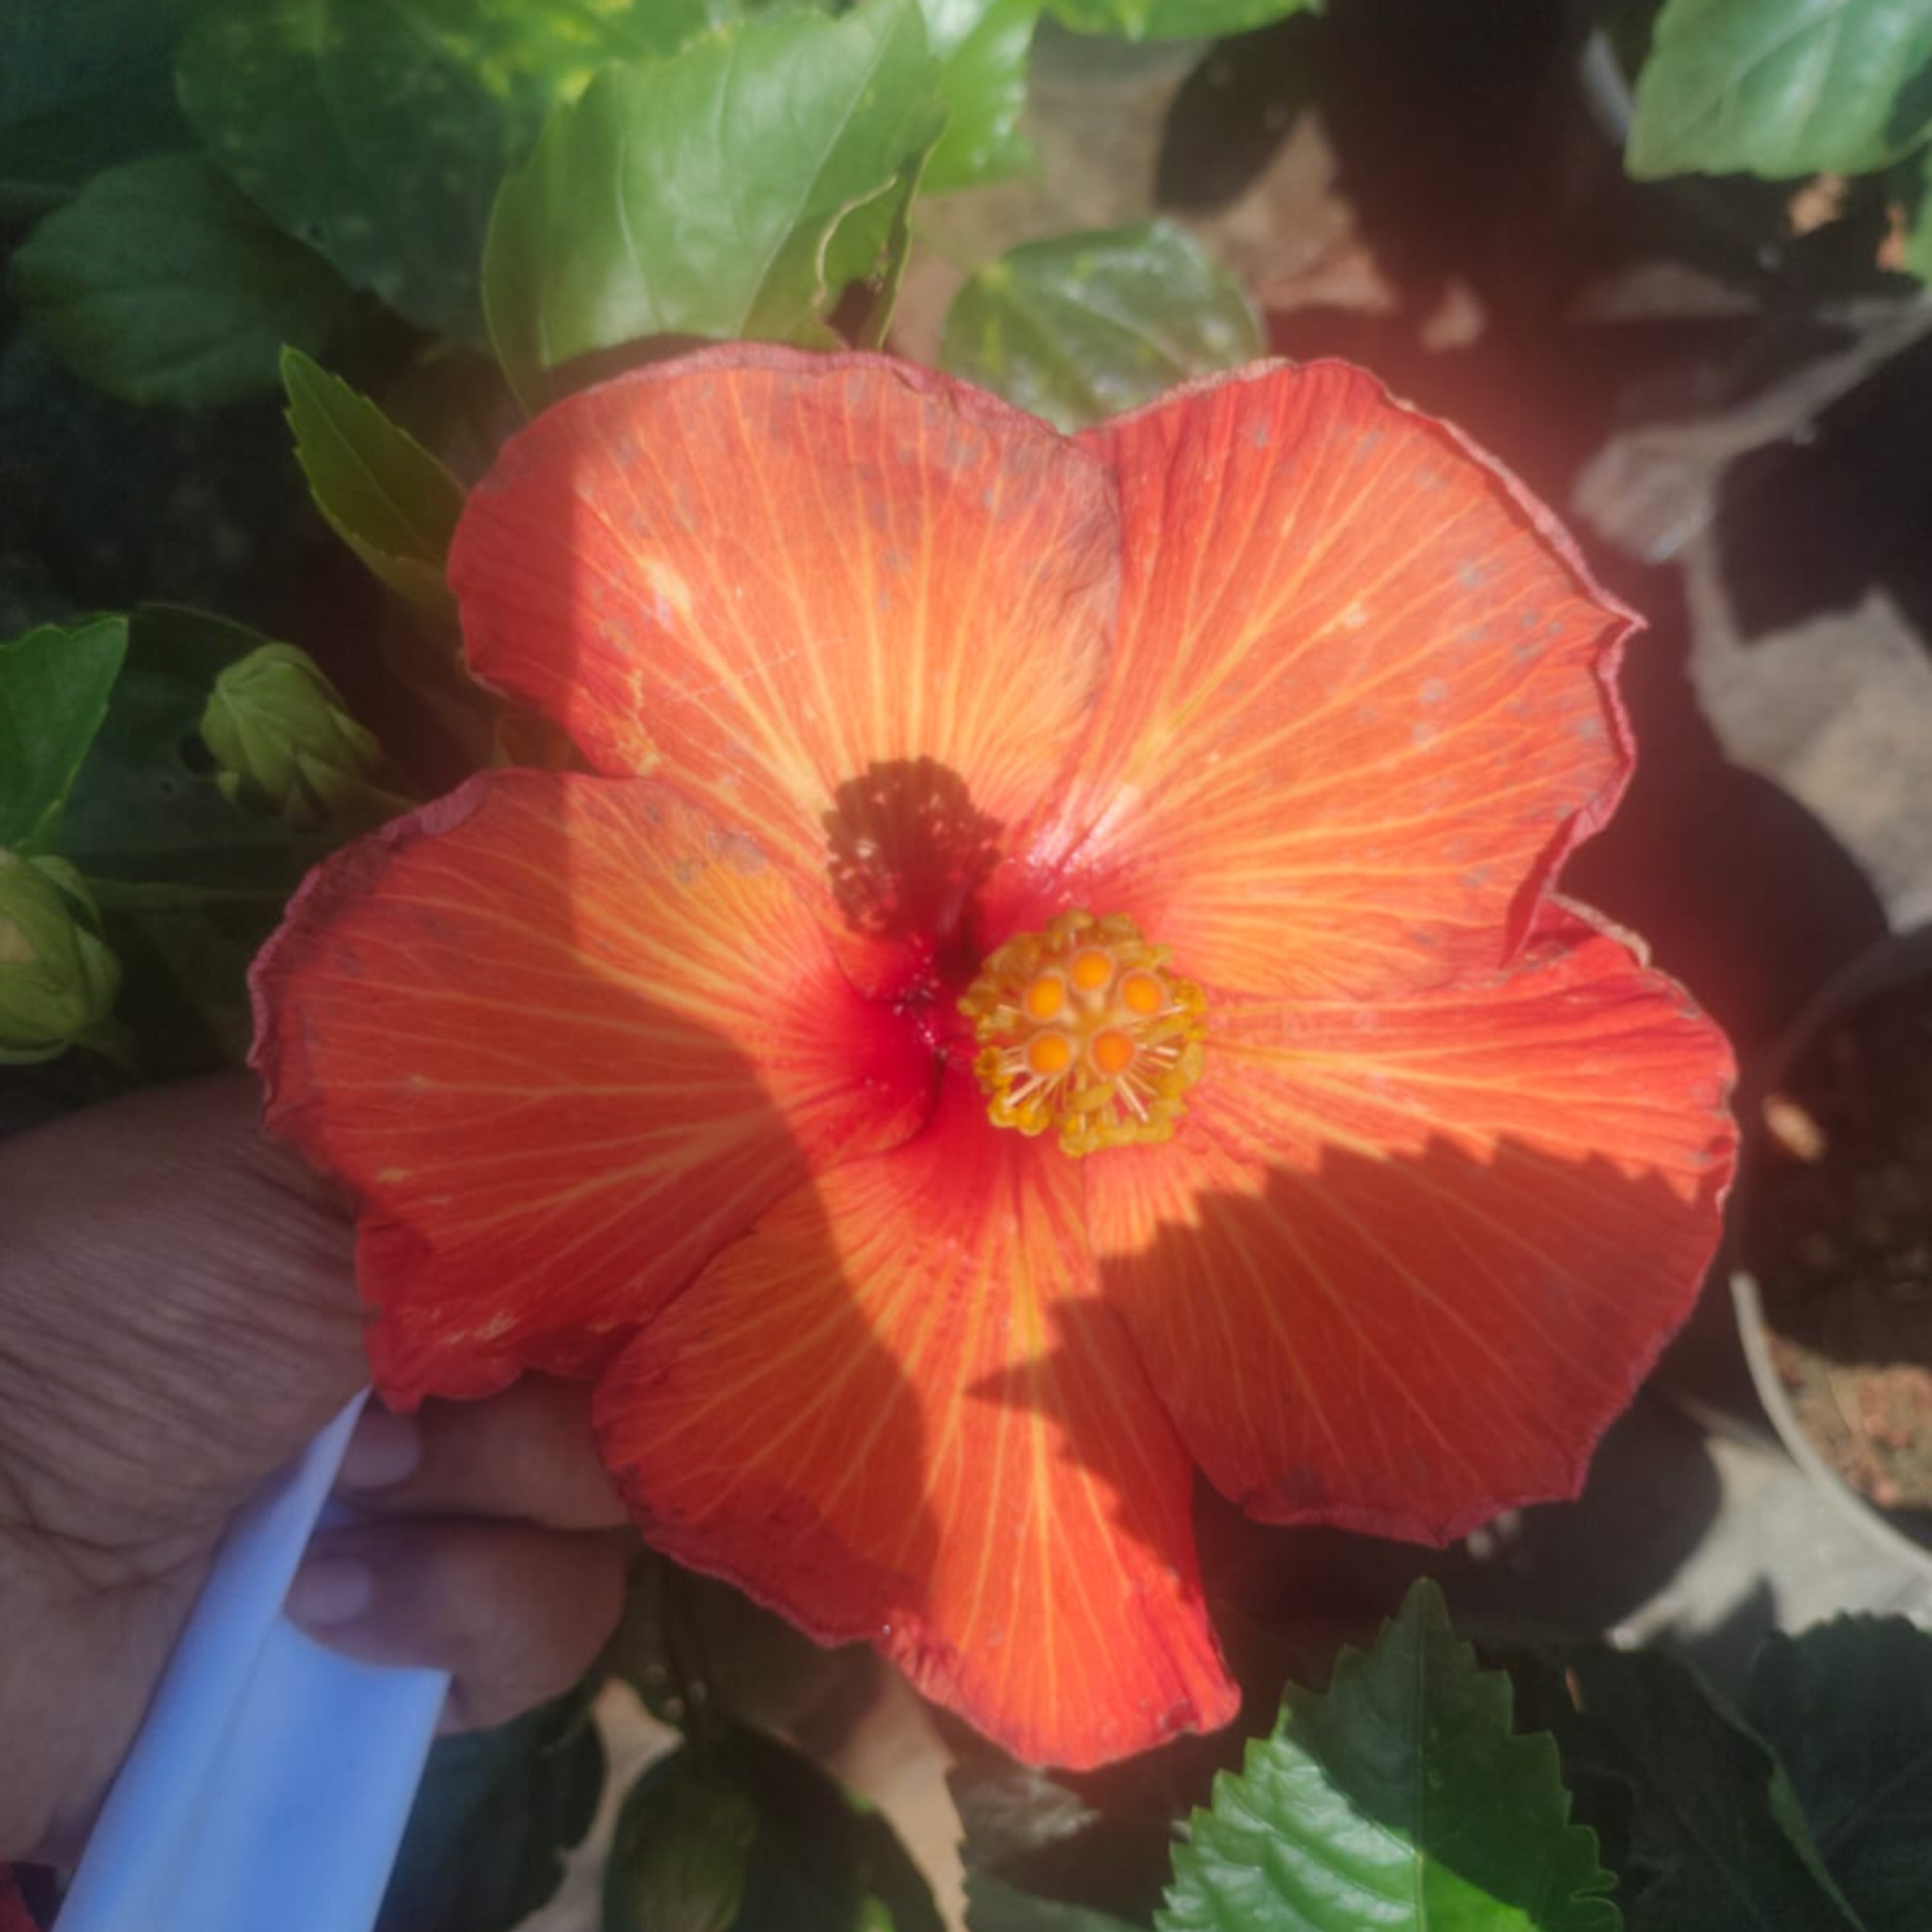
(1081, 1029)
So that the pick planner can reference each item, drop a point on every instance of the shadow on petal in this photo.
(1403, 1347)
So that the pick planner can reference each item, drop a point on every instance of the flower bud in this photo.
(279, 733)
(57, 978)
(683, 1848)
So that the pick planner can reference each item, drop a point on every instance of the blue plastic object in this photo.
(268, 1789)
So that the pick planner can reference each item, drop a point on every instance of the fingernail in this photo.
(384, 1449)
(329, 1591)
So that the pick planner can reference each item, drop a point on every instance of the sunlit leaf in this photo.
(54, 687)
(1175, 19)
(1082, 326)
(377, 130)
(1399, 1798)
(1781, 88)
(384, 494)
(160, 283)
(701, 195)
(984, 46)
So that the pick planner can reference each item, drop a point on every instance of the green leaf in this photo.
(682, 1851)
(384, 494)
(496, 1812)
(1175, 19)
(886, 285)
(184, 980)
(190, 882)
(160, 284)
(802, 1853)
(984, 46)
(84, 85)
(994, 1905)
(147, 808)
(1847, 1707)
(1715, 1835)
(1399, 1798)
(702, 195)
(46, 162)
(54, 687)
(57, 56)
(1082, 326)
(377, 130)
(1780, 87)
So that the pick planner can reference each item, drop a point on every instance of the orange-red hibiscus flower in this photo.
(1055, 979)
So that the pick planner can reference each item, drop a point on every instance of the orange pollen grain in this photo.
(1081, 1029)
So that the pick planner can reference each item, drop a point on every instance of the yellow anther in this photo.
(1082, 1029)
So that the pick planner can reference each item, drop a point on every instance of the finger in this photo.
(527, 1453)
(516, 1614)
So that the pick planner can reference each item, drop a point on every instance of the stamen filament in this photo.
(1082, 1029)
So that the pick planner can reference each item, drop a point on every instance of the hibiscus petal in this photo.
(762, 574)
(1404, 1263)
(564, 1038)
(1360, 707)
(894, 1411)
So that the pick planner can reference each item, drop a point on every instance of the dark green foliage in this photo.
(785, 1848)
(1847, 1706)
(160, 283)
(497, 1812)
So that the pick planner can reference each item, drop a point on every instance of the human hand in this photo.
(178, 1317)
